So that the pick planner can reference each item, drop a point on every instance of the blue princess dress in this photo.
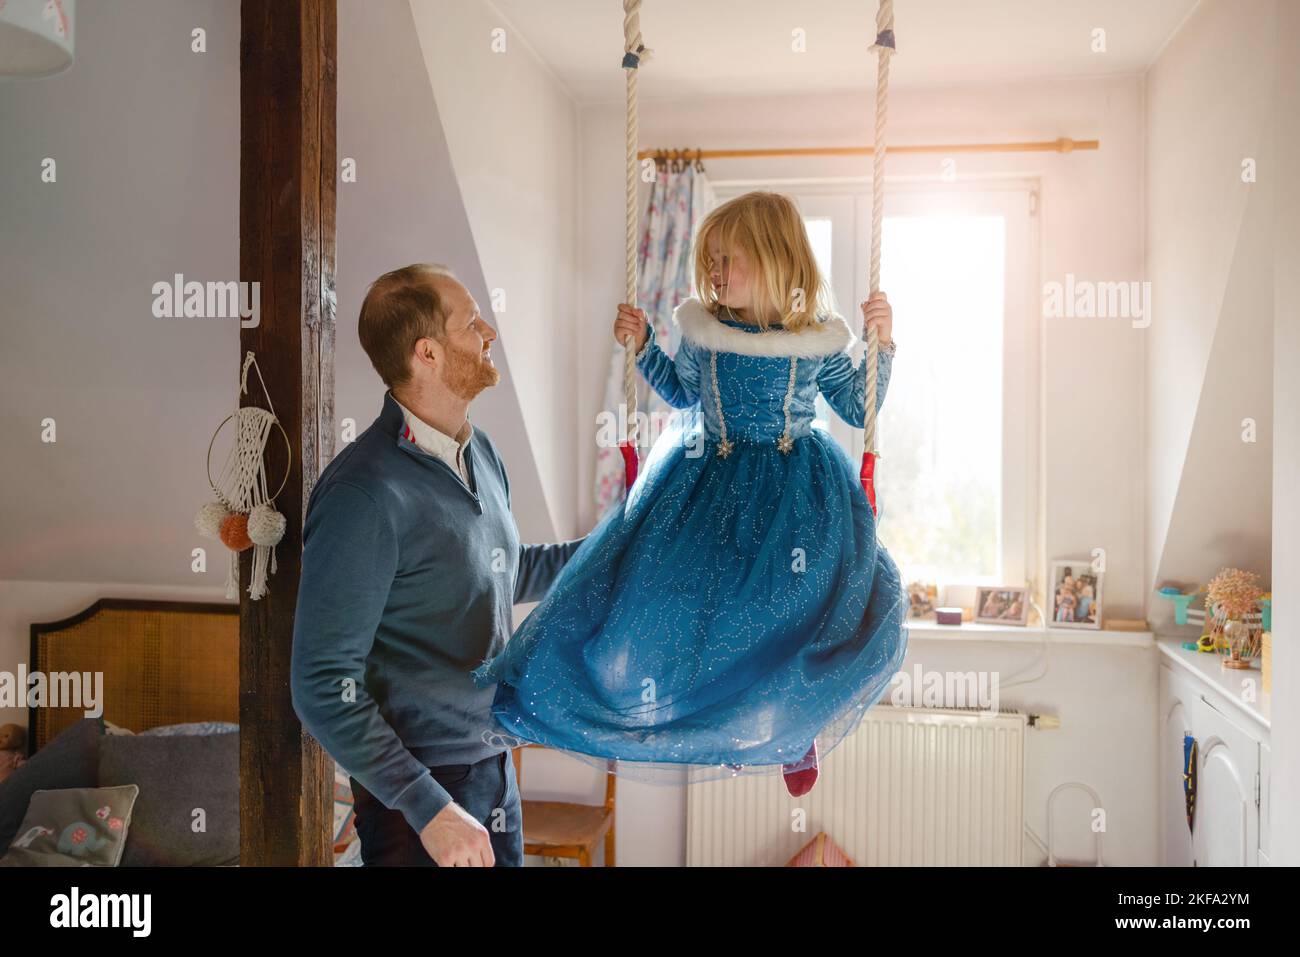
(737, 604)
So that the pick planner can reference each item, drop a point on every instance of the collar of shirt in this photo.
(437, 442)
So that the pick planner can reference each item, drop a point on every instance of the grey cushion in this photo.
(71, 760)
(177, 774)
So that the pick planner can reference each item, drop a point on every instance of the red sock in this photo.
(800, 782)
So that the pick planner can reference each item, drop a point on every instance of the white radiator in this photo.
(910, 787)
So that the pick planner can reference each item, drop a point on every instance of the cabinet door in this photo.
(1265, 755)
(1227, 818)
(1175, 721)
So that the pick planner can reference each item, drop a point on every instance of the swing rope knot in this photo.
(632, 58)
(884, 40)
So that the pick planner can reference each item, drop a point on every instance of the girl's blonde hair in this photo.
(768, 229)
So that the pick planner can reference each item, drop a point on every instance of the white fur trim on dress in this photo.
(705, 330)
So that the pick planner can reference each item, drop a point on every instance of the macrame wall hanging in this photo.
(243, 516)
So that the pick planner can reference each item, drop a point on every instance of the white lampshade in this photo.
(35, 37)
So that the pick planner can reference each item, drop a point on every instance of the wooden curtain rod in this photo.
(1062, 145)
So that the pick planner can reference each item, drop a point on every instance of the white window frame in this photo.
(1021, 535)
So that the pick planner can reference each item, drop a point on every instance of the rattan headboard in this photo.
(163, 663)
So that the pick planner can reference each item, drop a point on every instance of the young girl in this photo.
(738, 605)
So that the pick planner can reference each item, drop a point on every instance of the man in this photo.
(411, 564)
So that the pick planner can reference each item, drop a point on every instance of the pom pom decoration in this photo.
(266, 526)
(208, 520)
(244, 515)
(234, 533)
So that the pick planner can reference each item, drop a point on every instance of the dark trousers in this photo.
(487, 790)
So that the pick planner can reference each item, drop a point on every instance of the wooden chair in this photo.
(563, 829)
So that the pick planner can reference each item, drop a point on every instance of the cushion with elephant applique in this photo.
(73, 827)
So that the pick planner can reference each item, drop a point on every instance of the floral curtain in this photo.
(679, 200)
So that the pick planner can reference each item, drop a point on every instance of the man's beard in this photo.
(467, 373)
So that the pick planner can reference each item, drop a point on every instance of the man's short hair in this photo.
(400, 308)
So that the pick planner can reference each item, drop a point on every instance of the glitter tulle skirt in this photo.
(728, 612)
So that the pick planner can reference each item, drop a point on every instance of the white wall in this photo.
(1209, 260)
(511, 130)
(145, 135)
(1285, 734)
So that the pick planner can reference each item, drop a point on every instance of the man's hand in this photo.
(454, 839)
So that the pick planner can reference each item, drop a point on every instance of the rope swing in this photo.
(884, 47)
(634, 52)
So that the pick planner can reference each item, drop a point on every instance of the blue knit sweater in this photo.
(408, 581)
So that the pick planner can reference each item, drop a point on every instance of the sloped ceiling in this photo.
(406, 207)
(511, 136)
(1209, 249)
(1222, 513)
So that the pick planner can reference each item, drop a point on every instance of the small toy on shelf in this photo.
(1182, 600)
(948, 616)
(924, 596)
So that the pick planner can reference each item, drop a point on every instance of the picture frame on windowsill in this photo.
(1075, 595)
(1002, 605)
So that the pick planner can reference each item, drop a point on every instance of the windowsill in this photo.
(975, 631)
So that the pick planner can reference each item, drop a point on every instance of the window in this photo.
(939, 479)
(955, 481)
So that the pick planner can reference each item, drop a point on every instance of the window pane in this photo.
(819, 236)
(939, 478)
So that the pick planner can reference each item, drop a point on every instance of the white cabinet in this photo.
(1230, 821)
(1227, 813)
